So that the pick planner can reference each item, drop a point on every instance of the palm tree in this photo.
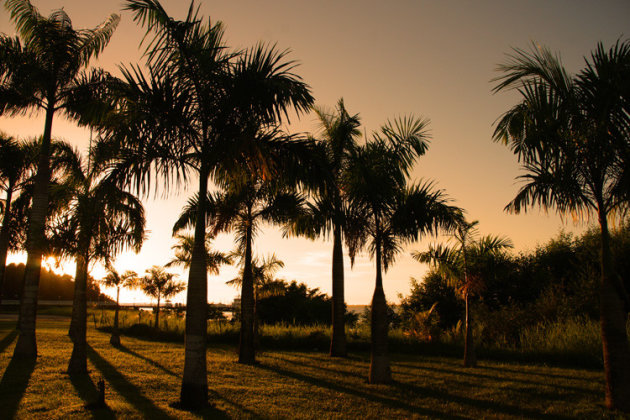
(183, 254)
(42, 70)
(197, 110)
(102, 219)
(570, 133)
(265, 283)
(159, 283)
(241, 207)
(15, 164)
(465, 266)
(327, 214)
(388, 212)
(128, 280)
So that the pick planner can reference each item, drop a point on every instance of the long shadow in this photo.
(7, 340)
(318, 367)
(125, 388)
(391, 402)
(13, 385)
(87, 392)
(546, 375)
(496, 407)
(495, 378)
(152, 362)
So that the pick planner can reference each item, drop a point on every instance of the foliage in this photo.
(432, 290)
(297, 304)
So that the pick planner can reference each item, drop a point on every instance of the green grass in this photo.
(143, 380)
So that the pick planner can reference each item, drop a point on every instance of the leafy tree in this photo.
(432, 290)
(101, 220)
(465, 266)
(327, 214)
(158, 283)
(387, 212)
(197, 109)
(127, 280)
(43, 69)
(571, 135)
(294, 303)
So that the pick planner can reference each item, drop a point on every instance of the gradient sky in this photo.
(433, 59)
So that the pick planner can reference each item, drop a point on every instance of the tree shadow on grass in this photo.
(13, 385)
(391, 402)
(152, 362)
(318, 367)
(7, 340)
(125, 388)
(87, 392)
(493, 406)
(468, 373)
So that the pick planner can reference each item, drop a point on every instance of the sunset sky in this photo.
(433, 59)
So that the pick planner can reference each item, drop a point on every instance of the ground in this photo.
(143, 379)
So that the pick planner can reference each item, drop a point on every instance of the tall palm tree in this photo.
(339, 131)
(159, 283)
(42, 70)
(465, 266)
(183, 253)
(265, 283)
(571, 135)
(127, 280)
(193, 112)
(102, 219)
(387, 212)
(241, 207)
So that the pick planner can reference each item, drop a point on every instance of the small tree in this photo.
(129, 280)
(158, 283)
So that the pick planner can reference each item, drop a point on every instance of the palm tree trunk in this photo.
(470, 359)
(256, 336)
(194, 392)
(4, 236)
(246, 350)
(338, 338)
(380, 372)
(613, 318)
(26, 346)
(115, 338)
(78, 359)
(157, 313)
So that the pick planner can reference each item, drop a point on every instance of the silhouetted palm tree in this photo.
(16, 164)
(102, 219)
(196, 110)
(328, 211)
(241, 207)
(265, 283)
(388, 212)
(570, 134)
(127, 280)
(42, 70)
(183, 254)
(159, 283)
(465, 266)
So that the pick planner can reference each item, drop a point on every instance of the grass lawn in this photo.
(143, 379)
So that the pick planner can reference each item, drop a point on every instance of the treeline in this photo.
(51, 286)
(557, 281)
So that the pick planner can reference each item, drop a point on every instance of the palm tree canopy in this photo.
(184, 250)
(42, 67)
(158, 282)
(571, 132)
(263, 273)
(384, 209)
(102, 219)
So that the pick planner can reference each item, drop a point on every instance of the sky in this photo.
(431, 59)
